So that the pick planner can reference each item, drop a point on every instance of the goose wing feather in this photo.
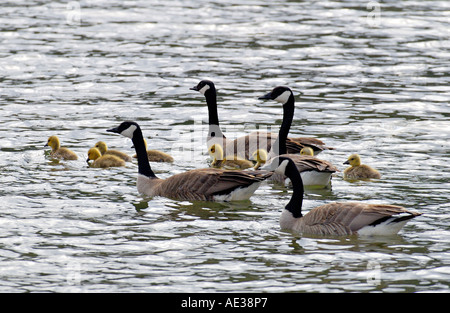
(204, 184)
(348, 218)
(311, 163)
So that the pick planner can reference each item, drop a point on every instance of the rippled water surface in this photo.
(371, 78)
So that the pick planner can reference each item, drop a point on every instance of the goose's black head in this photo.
(204, 86)
(280, 94)
(126, 129)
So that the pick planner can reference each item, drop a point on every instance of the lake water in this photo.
(373, 77)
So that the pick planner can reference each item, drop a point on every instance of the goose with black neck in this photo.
(338, 218)
(316, 173)
(207, 184)
(245, 146)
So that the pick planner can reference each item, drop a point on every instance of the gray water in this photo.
(369, 77)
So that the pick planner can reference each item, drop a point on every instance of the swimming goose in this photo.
(245, 146)
(103, 148)
(358, 170)
(57, 151)
(103, 161)
(314, 171)
(233, 162)
(156, 155)
(208, 184)
(338, 218)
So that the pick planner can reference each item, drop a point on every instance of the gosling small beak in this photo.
(346, 162)
(46, 145)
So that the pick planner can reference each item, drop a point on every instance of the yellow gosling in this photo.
(307, 151)
(103, 148)
(57, 151)
(358, 170)
(260, 156)
(156, 155)
(219, 161)
(103, 161)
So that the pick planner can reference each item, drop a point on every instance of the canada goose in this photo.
(103, 148)
(244, 146)
(103, 161)
(156, 155)
(57, 151)
(201, 184)
(356, 170)
(233, 162)
(338, 218)
(314, 171)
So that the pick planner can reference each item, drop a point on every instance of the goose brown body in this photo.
(338, 218)
(208, 184)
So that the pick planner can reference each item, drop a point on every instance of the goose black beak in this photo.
(346, 162)
(113, 130)
(267, 96)
(194, 88)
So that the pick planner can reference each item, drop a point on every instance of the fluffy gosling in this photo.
(103, 161)
(57, 151)
(234, 162)
(307, 151)
(260, 156)
(156, 155)
(356, 170)
(103, 148)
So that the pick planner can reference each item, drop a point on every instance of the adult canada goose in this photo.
(156, 155)
(103, 148)
(59, 152)
(234, 162)
(245, 146)
(338, 218)
(356, 170)
(314, 171)
(209, 184)
(103, 161)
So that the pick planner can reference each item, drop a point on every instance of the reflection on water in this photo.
(370, 78)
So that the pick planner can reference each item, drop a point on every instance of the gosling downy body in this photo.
(233, 162)
(314, 171)
(103, 148)
(156, 155)
(356, 170)
(245, 146)
(103, 161)
(338, 218)
(58, 152)
(208, 184)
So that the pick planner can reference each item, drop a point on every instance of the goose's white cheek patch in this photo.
(129, 131)
(204, 89)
